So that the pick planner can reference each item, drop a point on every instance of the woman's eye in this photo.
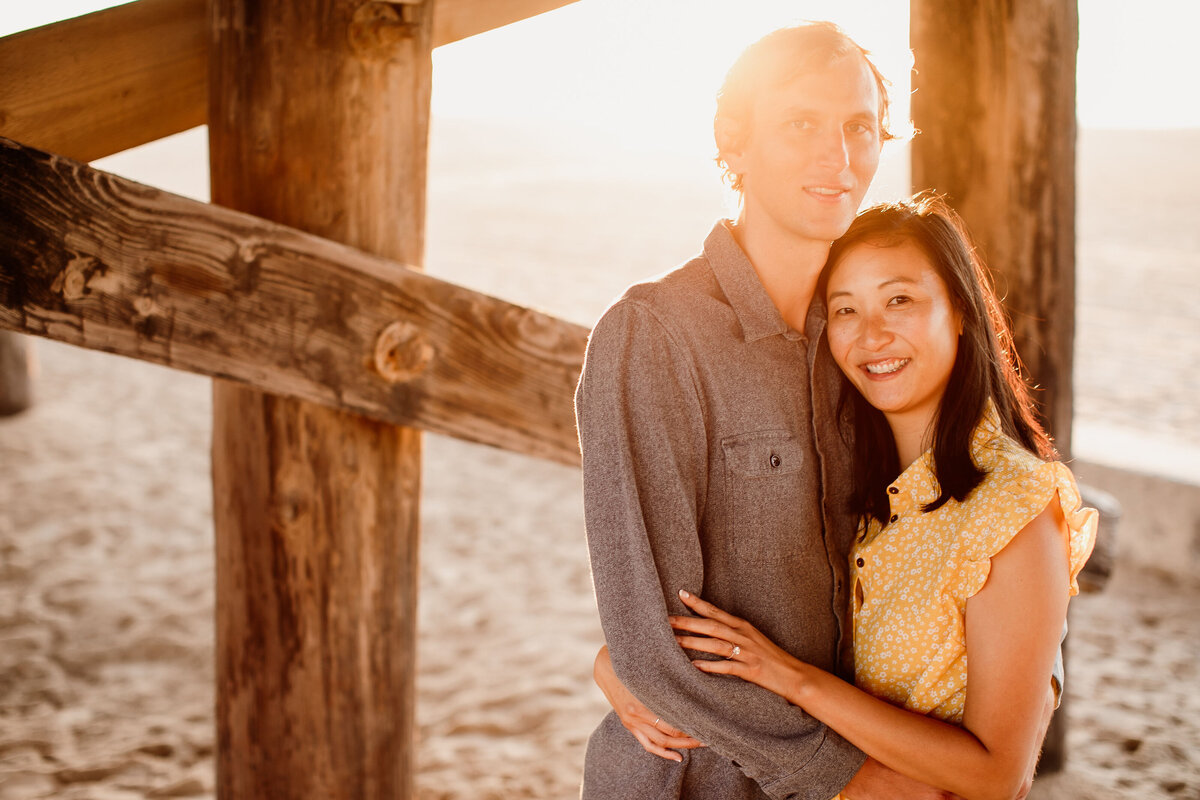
(844, 311)
(899, 300)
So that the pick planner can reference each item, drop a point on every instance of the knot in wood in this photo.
(145, 306)
(376, 27)
(402, 352)
(540, 332)
(72, 282)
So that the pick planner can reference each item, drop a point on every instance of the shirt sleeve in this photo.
(1012, 506)
(642, 432)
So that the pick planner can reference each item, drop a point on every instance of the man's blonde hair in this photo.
(778, 57)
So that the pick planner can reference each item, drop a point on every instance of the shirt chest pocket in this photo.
(766, 495)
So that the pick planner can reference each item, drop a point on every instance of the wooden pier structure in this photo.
(299, 291)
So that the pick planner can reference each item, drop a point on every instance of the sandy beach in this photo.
(106, 562)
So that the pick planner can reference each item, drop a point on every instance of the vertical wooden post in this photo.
(16, 378)
(318, 116)
(994, 100)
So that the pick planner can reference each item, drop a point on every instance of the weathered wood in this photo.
(994, 98)
(98, 261)
(16, 379)
(97, 84)
(319, 113)
(104, 82)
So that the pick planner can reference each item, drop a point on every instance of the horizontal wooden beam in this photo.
(104, 82)
(101, 83)
(454, 20)
(101, 262)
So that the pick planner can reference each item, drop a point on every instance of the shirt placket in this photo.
(902, 506)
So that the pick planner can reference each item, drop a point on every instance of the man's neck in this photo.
(787, 266)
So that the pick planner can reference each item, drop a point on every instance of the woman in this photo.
(970, 538)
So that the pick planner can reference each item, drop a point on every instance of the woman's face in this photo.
(893, 330)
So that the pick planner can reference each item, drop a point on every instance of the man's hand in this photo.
(876, 782)
(655, 735)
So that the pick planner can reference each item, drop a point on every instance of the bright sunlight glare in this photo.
(644, 71)
(648, 68)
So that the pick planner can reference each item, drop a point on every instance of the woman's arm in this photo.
(1013, 627)
(653, 734)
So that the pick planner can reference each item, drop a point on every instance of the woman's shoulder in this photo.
(1017, 488)
(1012, 471)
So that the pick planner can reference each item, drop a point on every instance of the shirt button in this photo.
(859, 561)
(775, 460)
(893, 490)
(894, 517)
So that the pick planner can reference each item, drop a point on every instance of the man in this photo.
(712, 460)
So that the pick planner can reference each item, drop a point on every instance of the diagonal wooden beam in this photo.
(101, 262)
(101, 83)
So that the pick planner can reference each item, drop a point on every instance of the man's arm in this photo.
(645, 460)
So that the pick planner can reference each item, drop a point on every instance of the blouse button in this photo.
(860, 561)
(775, 460)
(893, 490)
(894, 517)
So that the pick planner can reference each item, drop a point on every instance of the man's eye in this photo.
(859, 128)
(801, 124)
(845, 311)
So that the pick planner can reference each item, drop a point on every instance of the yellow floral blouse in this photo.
(912, 579)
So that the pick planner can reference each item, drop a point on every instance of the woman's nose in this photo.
(875, 332)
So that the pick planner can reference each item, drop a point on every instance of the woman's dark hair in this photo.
(986, 365)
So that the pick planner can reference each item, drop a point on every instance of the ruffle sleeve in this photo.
(1007, 508)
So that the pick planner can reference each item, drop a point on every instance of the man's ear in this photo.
(730, 137)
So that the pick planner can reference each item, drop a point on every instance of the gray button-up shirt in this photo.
(712, 461)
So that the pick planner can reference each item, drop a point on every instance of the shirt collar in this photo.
(917, 484)
(749, 299)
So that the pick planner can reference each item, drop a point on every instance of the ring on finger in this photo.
(737, 651)
(656, 719)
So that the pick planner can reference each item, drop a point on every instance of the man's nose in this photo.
(833, 149)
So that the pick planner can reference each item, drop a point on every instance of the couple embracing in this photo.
(831, 545)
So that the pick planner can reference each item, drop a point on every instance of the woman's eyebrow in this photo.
(883, 284)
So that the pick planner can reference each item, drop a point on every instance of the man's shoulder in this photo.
(679, 296)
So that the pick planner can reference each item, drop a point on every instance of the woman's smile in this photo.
(882, 369)
(893, 331)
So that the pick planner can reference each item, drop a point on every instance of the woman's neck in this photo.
(913, 434)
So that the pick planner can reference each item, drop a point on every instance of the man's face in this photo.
(811, 152)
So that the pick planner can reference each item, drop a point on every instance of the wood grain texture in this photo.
(98, 261)
(104, 82)
(97, 84)
(994, 99)
(318, 118)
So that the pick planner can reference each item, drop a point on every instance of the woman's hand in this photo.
(745, 652)
(655, 736)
